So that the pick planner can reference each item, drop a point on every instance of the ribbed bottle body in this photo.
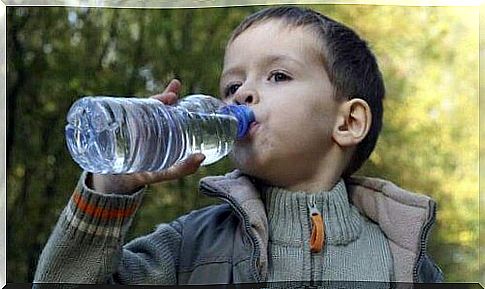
(113, 135)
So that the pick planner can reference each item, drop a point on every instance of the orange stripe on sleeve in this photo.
(99, 212)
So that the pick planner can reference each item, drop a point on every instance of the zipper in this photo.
(311, 209)
(208, 190)
(317, 236)
(317, 232)
(424, 243)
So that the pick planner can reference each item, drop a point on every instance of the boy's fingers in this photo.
(189, 165)
(167, 98)
(173, 86)
(169, 95)
(181, 169)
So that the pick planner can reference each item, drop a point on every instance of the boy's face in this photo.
(278, 71)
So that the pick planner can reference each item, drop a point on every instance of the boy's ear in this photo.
(353, 122)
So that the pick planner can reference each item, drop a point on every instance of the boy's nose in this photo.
(246, 97)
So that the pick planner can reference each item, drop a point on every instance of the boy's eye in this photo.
(279, 76)
(231, 89)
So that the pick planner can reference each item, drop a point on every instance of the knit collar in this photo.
(289, 216)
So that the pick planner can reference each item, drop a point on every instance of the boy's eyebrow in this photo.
(271, 59)
(233, 70)
(281, 58)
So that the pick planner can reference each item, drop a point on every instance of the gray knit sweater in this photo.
(355, 248)
(85, 246)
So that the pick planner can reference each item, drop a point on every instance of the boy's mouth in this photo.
(253, 127)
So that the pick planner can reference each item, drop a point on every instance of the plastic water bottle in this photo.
(113, 135)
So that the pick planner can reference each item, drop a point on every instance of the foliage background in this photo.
(429, 142)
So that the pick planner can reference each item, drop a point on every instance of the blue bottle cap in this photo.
(244, 115)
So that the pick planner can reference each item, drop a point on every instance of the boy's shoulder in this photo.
(359, 185)
(401, 214)
(404, 217)
(209, 216)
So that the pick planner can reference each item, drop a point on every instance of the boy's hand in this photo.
(128, 183)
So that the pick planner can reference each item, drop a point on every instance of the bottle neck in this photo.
(243, 114)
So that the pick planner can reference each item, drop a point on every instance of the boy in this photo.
(316, 92)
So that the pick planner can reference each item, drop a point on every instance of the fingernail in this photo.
(200, 158)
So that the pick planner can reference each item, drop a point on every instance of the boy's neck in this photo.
(322, 177)
(314, 186)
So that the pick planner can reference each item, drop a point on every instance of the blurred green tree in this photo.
(429, 143)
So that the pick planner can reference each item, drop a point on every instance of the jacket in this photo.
(228, 243)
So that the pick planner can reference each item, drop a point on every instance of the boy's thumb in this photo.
(190, 165)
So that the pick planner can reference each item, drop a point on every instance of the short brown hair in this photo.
(349, 63)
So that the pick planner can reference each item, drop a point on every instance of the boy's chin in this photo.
(245, 164)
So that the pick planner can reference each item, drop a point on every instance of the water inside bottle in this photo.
(211, 134)
(116, 136)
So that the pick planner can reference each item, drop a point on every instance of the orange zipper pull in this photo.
(317, 238)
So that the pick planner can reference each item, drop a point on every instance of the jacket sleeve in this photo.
(86, 245)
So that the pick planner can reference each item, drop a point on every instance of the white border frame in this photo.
(170, 4)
